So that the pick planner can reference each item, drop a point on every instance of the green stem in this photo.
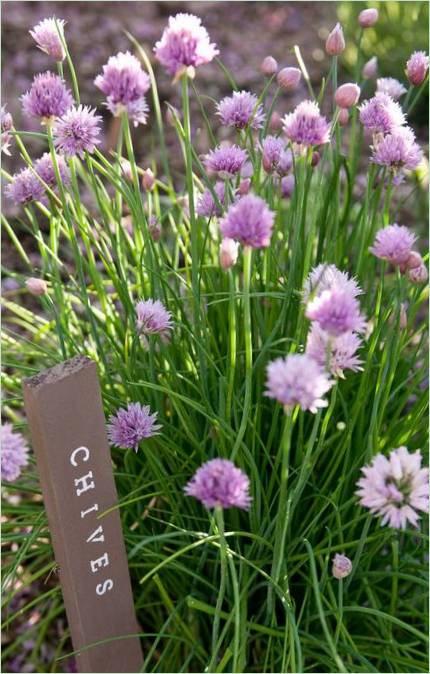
(219, 517)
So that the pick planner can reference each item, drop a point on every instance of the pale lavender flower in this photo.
(288, 184)
(249, 221)
(206, 205)
(336, 312)
(36, 286)
(397, 150)
(395, 488)
(289, 78)
(25, 187)
(416, 67)
(220, 484)
(14, 453)
(125, 84)
(240, 110)
(347, 95)
(47, 37)
(44, 167)
(130, 425)
(228, 253)
(297, 380)
(381, 114)
(335, 353)
(335, 43)
(47, 98)
(285, 163)
(370, 68)
(418, 274)
(342, 566)
(152, 317)
(185, 42)
(391, 87)
(269, 66)
(306, 126)
(325, 277)
(77, 131)
(6, 126)
(393, 243)
(272, 149)
(368, 17)
(225, 160)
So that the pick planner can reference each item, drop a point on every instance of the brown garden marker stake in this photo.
(67, 426)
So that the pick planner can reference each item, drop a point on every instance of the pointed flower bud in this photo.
(416, 67)
(335, 43)
(342, 566)
(370, 68)
(368, 17)
(269, 66)
(148, 180)
(289, 78)
(228, 253)
(343, 116)
(36, 286)
(347, 95)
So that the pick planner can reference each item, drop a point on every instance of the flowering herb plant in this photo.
(258, 326)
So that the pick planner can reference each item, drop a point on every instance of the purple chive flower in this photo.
(416, 67)
(249, 221)
(206, 205)
(342, 566)
(306, 126)
(398, 150)
(336, 312)
(225, 160)
(335, 353)
(391, 87)
(152, 317)
(393, 243)
(325, 277)
(25, 187)
(185, 42)
(47, 37)
(6, 126)
(14, 453)
(297, 380)
(129, 426)
(288, 184)
(272, 149)
(219, 484)
(285, 163)
(77, 131)
(395, 488)
(47, 98)
(125, 84)
(381, 114)
(240, 110)
(44, 167)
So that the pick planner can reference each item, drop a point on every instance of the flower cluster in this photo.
(220, 484)
(128, 427)
(241, 110)
(185, 42)
(14, 453)
(77, 131)
(49, 35)
(249, 221)
(47, 98)
(394, 244)
(306, 127)
(125, 84)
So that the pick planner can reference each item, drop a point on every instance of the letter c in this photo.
(86, 452)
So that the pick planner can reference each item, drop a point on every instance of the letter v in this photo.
(97, 536)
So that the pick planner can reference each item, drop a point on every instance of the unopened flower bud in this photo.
(370, 69)
(269, 66)
(287, 186)
(36, 286)
(315, 160)
(414, 260)
(343, 117)
(148, 180)
(342, 566)
(154, 228)
(416, 67)
(126, 168)
(171, 114)
(228, 253)
(403, 316)
(418, 274)
(335, 43)
(275, 121)
(244, 186)
(347, 95)
(368, 17)
(289, 78)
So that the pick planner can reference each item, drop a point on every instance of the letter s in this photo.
(104, 587)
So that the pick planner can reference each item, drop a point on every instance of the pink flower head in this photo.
(241, 110)
(297, 380)
(368, 17)
(14, 453)
(289, 78)
(398, 150)
(125, 84)
(206, 205)
(335, 43)
(25, 187)
(185, 42)
(152, 317)
(76, 132)
(416, 67)
(325, 277)
(6, 126)
(347, 95)
(395, 488)
(226, 160)
(220, 484)
(335, 353)
(336, 311)
(47, 98)
(46, 34)
(393, 243)
(129, 426)
(381, 114)
(391, 87)
(306, 126)
(44, 167)
(249, 221)
(272, 151)
(342, 566)
(36, 286)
